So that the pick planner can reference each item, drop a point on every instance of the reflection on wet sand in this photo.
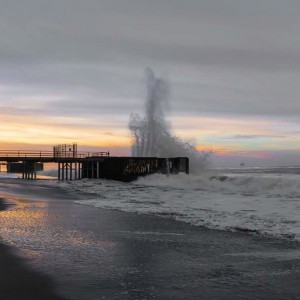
(94, 253)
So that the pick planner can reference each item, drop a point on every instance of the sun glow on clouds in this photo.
(46, 130)
(240, 135)
(34, 120)
(224, 135)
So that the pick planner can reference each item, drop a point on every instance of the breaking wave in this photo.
(267, 204)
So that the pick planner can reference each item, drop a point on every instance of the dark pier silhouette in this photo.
(73, 164)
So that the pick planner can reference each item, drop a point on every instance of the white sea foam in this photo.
(265, 201)
(8, 175)
(261, 203)
(49, 173)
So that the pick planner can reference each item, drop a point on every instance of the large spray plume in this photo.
(151, 135)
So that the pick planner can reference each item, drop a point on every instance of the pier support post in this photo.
(97, 174)
(87, 170)
(67, 174)
(58, 171)
(23, 172)
(71, 171)
(34, 170)
(80, 170)
(29, 170)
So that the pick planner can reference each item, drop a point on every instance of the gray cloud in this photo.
(232, 34)
(224, 56)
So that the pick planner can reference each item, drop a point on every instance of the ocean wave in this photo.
(268, 205)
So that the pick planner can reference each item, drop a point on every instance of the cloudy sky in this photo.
(73, 71)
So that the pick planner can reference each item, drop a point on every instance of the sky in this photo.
(73, 71)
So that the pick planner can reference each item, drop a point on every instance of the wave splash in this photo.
(151, 135)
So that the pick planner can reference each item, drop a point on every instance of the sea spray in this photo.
(151, 135)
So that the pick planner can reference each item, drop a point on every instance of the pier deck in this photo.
(73, 165)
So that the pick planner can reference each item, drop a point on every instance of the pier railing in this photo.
(48, 154)
(81, 154)
(25, 153)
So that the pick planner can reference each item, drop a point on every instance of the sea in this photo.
(254, 200)
(104, 253)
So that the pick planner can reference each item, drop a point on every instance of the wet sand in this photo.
(19, 281)
(106, 254)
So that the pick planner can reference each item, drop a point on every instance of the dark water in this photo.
(264, 170)
(105, 254)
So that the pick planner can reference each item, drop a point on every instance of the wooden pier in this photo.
(74, 165)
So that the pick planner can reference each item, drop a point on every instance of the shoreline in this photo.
(101, 253)
(18, 280)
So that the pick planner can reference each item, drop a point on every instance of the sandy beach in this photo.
(80, 252)
(19, 281)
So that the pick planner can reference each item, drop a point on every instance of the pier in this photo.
(73, 164)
